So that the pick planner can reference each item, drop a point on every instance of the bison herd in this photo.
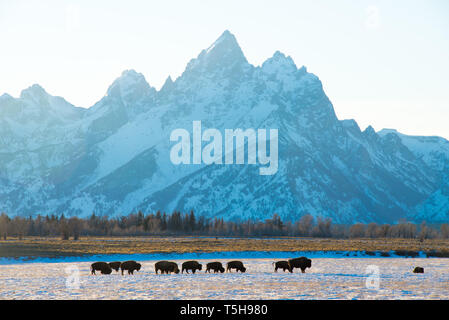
(172, 267)
(106, 268)
(302, 263)
(169, 267)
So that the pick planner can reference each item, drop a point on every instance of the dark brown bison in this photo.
(238, 265)
(100, 266)
(167, 267)
(216, 266)
(115, 265)
(418, 270)
(301, 263)
(130, 266)
(281, 265)
(191, 265)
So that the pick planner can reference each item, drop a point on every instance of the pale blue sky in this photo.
(384, 63)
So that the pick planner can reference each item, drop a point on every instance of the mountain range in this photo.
(113, 158)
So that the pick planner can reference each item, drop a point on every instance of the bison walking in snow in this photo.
(303, 263)
(238, 265)
(115, 265)
(191, 265)
(418, 270)
(167, 267)
(282, 265)
(130, 266)
(216, 266)
(100, 266)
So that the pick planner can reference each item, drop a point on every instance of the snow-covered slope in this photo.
(113, 158)
(434, 151)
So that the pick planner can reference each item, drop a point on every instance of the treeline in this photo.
(139, 224)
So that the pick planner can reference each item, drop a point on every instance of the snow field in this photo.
(329, 278)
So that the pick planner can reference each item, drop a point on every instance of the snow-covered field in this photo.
(329, 278)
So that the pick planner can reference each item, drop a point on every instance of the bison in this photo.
(115, 265)
(418, 270)
(282, 265)
(191, 265)
(216, 266)
(301, 263)
(167, 267)
(238, 265)
(130, 266)
(100, 266)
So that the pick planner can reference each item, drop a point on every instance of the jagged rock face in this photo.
(113, 158)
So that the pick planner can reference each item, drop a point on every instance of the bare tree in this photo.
(305, 225)
(64, 228)
(444, 230)
(372, 230)
(19, 225)
(4, 223)
(323, 228)
(357, 230)
(74, 227)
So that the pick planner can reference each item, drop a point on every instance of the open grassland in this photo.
(55, 247)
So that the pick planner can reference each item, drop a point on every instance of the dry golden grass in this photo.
(50, 247)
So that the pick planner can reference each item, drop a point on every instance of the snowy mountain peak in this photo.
(386, 131)
(225, 52)
(227, 39)
(281, 57)
(226, 34)
(432, 150)
(130, 84)
(5, 97)
(350, 124)
(168, 85)
(35, 93)
(369, 130)
(279, 63)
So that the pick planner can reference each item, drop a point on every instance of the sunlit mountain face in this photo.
(114, 157)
